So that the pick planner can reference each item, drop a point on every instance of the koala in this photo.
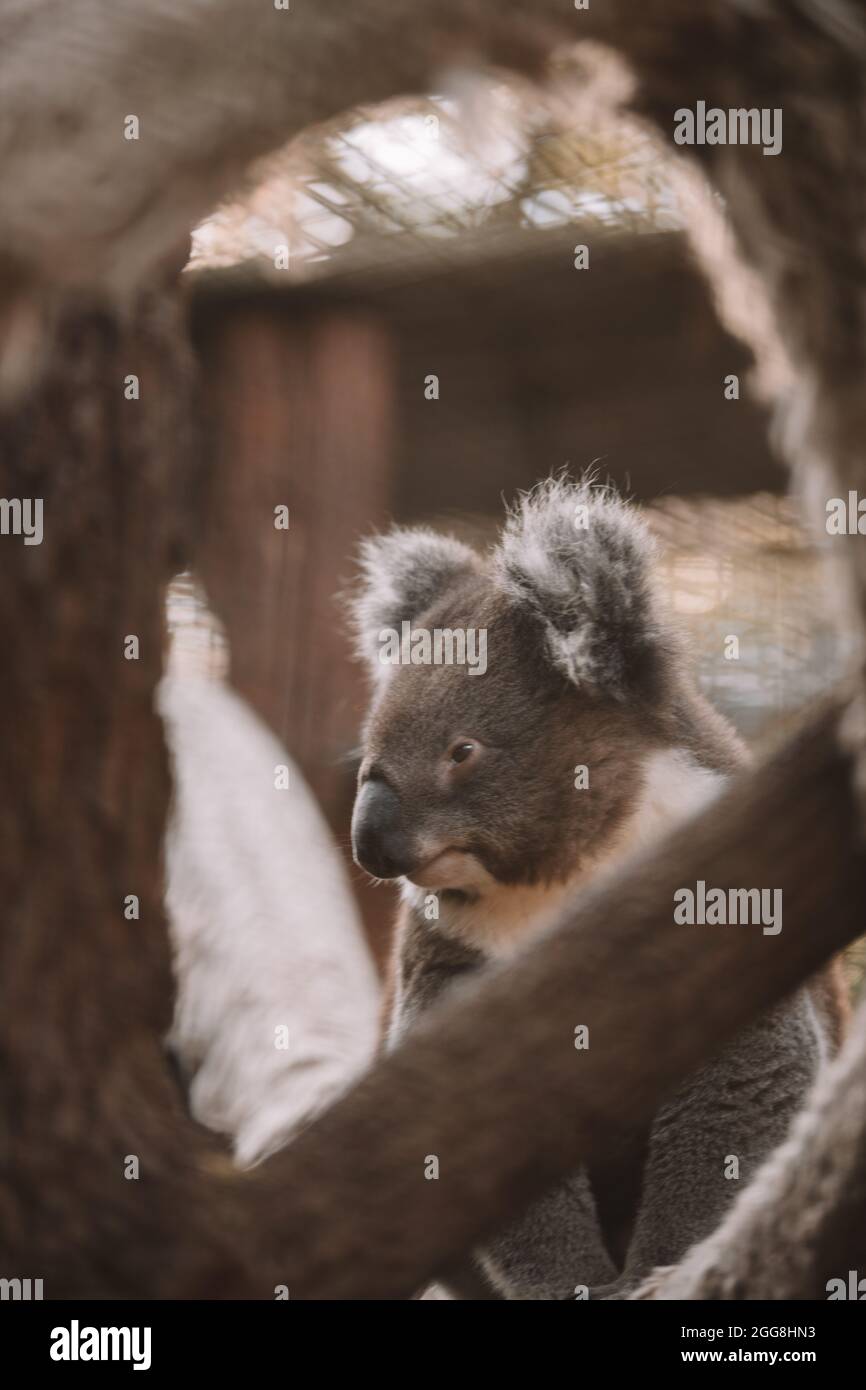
(492, 795)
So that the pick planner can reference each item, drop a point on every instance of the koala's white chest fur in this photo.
(499, 919)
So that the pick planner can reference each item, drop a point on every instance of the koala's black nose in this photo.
(379, 842)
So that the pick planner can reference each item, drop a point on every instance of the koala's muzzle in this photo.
(379, 843)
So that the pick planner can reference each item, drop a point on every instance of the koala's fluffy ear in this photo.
(579, 559)
(402, 574)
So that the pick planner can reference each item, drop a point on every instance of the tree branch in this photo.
(492, 1083)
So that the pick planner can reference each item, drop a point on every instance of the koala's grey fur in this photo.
(580, 662)
(589, 587)
(403, 573)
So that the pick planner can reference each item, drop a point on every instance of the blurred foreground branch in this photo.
(492, 1084)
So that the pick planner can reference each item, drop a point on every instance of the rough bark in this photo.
(86, 993)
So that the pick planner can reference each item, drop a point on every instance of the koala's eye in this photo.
(463, 750)
(461, 762)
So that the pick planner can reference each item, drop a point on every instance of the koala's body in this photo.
(495, 795)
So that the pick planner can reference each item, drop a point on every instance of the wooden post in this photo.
(299, 415)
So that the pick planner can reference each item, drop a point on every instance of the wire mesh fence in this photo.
(411, 177)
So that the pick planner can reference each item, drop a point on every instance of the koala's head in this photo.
(471, 771)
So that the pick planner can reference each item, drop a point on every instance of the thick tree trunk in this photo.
(86, 993)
